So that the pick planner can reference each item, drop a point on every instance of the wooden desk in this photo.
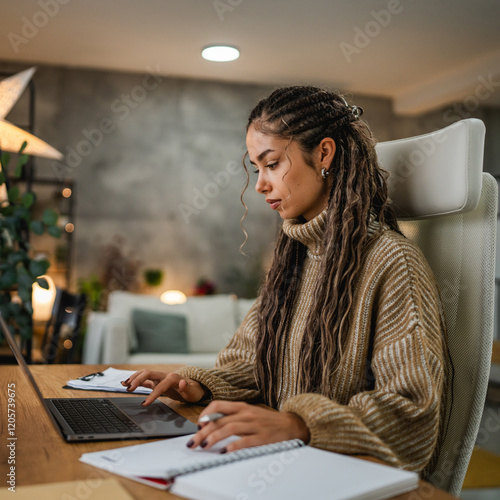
(43, 457)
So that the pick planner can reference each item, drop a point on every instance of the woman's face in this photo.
(290, 185)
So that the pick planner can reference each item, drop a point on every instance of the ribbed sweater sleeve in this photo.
(232, 379)
(398, 420)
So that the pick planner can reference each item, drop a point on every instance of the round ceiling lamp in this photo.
(220, 53)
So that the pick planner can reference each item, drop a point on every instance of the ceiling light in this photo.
(220, 53)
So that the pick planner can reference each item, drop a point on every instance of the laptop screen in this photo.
(24, 367)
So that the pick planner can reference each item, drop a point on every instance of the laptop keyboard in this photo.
(97, 416)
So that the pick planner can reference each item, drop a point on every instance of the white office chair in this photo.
(448, 207)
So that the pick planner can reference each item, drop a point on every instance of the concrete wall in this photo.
(157, 161)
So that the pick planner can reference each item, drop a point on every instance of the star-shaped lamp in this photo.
(12, 137)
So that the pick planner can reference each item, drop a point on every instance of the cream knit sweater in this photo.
(392, 409)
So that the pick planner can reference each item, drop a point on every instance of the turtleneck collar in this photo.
(309, 233)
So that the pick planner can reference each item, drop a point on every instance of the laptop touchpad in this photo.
(157, 417)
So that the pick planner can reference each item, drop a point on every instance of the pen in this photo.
(211, 417)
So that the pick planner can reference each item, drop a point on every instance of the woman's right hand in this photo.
(166, 384)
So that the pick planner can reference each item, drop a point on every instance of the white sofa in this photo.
(211, 322)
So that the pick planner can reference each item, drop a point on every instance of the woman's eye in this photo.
(271, 166)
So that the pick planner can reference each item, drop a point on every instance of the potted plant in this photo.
(153, 277)
(19, 270)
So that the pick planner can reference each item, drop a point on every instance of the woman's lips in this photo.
(274, 203)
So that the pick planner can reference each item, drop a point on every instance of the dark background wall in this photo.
(157, 164)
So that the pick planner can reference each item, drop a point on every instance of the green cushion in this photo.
(160, 332)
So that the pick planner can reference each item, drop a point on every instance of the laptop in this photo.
(104, 419)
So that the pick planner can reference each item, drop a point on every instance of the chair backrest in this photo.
(68, 310)
(448, 207)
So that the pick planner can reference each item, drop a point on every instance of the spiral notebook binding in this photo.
(235, 456)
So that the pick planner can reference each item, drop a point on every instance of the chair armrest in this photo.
(92, 341)
(107, 339)
(116, 341)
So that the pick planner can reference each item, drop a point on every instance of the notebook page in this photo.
(158, 459)
(296, 474)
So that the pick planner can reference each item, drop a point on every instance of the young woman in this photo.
(347, 338)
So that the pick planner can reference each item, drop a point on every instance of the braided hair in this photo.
(357, 196)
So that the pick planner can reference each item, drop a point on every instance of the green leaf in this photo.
(8, 210)
(39, 267)
(5, 159)
(24, 295)
(24, 278)
(5, 312)
(8, 278)
(27, 200)
(54, 231)
(23, 147)
(37, 227)
(15, 257)
(49, 217)
(21, 213)
(21, 161)
(29, 308)
(43, 283)
(2, 178)
(13, 193)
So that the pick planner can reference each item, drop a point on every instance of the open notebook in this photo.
(289, 469)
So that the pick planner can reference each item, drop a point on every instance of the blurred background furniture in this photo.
(141, 329)
(62, 338)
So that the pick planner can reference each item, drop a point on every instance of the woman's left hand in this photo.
(255, 425)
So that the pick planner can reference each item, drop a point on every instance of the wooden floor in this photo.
(495, 358)
(483, 471)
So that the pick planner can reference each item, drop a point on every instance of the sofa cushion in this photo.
(122, 303)
(211, 322)
(160, 332)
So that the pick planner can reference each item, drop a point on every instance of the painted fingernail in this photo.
(203, 443)
(190, 443)
(143, 402)
(223, 450)
(127, 381)
(199, 426)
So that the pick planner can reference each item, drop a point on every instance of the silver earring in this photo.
(324, 173)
